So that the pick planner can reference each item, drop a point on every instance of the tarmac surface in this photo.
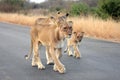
(100, 59)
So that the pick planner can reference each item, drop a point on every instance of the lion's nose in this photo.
(79, 40)
(69, 34)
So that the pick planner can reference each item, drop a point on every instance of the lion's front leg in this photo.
(36, 61)
(66, 50)
(58, 66)
(77, 54)
(69, 51)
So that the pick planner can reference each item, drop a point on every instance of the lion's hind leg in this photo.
(48, 56)
(36, 61)
(59, 52)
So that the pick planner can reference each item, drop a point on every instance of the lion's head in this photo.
(64, 25)
(78, 36)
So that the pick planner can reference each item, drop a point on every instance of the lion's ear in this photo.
(75, 33)
(82, 33)
(70, 23)
(53, 18)
(67, 14)
(58, 12)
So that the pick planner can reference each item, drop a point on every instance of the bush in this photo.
(110, 8)
(97, 13)
(53, 9)
(11, 5)
(79, 9)
(105, 9)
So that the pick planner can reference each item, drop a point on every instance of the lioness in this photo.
(51, 36)
(74, 42)
(48, 20)
(43, 21)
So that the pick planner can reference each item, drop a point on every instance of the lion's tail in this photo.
(31, 51)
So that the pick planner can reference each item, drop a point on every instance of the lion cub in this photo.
(74, 42)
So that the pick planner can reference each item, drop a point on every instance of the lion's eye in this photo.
(77, 36)
(65, 28)
(70, 27)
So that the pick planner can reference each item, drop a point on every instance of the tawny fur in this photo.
(74, 42)
(48, 20)
(43, 21)
(50, 36)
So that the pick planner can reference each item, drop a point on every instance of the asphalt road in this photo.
(100, 59)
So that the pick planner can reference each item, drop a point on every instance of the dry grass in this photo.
(93, 27)
(19, 18)
(98, 28)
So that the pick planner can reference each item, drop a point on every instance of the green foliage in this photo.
(97, 13)
(110, 8)
(58, 8)
(79, 9)
(13, 2)
(105, 9)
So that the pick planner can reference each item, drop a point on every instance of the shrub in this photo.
(11, 5)
(110, 8)
(79, 9)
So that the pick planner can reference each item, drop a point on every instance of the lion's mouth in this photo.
(69, 36)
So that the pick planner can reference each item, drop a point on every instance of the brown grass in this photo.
(98, 28)
(93, 27)
(19, 18)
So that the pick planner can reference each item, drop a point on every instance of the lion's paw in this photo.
(50, 62)
(55, 68)
(41, 67)
(61, 69)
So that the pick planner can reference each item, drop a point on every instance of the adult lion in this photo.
(51, 36)
(48, 20)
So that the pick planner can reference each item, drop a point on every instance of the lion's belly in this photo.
(44, 38)
(44, 42)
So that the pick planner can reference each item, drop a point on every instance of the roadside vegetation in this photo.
(97, 18)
